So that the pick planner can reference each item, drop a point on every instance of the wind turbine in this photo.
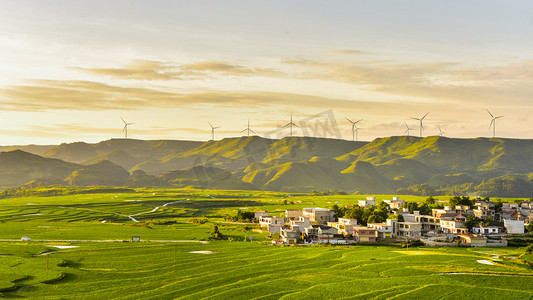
(493, 123)
(248, 128)
(290, 124)
(440, 131)
(355, 130)
(421, 125)
(125, 129)
(213, 131)
(407, 129)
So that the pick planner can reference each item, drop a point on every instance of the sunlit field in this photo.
(81, 248)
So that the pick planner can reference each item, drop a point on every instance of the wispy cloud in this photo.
(438, 81)
(156, 70)
(346, 52)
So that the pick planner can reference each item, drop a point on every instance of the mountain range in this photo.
(397, 164)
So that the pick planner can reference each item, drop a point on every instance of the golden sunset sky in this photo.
(71, 69)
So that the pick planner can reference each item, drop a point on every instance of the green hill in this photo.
(103, 173)
(19, 167)
(447, 165)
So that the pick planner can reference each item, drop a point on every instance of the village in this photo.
(444, 227)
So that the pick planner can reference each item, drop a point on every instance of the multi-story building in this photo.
(370, 201)
(319, 215)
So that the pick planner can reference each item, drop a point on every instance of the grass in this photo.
(250, 270)
(158, 270)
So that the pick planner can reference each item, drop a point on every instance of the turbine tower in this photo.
(407, 129)
(248, 129)
(421, 124)
(355, 129)
(440, 131)
(290, 124)
(493, 123)
(213, 131)
(125, 129)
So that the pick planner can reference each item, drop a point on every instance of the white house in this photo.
(514, 226)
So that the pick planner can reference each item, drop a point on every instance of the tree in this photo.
(276, 236)
(398, 217)
(529, 228)
(215, 233)
(471, 221)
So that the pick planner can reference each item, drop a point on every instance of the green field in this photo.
(162, 266)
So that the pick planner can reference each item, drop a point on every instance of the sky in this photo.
(70, 70)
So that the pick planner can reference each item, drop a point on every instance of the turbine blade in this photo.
(349, 120)
(252, 131)
(491, 122)
(489, 112)
(425, 115)
(295, 125)
(358, 121)
(123, 120)
(217, 127)
(415, 118)
(244, 130)
(210, 124)
(498, 117)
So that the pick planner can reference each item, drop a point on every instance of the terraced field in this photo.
(222, 269)
(238, 270)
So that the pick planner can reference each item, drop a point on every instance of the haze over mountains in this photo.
(398, 164)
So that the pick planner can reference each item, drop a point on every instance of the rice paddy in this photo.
(74, 255)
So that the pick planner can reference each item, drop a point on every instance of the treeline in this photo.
(505, 187)
(24, 191)
(241, 216)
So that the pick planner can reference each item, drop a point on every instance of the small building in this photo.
(386, 229)
(364, 234)
(370, 201)
(319, 215)
(484, 204)
(486, 230)
(484, 214)
(509, 206)
(320, 234)
(259, 214)
(289, 236)
(272, 223)
(451, 226)
(300, 224)
(514, 226)
(411, 230)
(473, 240)
(293, 214)
(395, 203)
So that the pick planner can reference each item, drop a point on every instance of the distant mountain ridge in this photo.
(397, 164)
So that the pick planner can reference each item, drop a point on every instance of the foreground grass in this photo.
(252, 271)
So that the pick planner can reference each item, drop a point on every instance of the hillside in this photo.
(19, 167)
(402, 164)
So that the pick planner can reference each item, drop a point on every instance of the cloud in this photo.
(156, 70)
(446, 82)
(43, 95)
(346, 52)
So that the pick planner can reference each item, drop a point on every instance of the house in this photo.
(484, 214)
(370, 201)
(364, 234)
(453, 226)
(486, 230)
(484, 204)
(395, 203)
(514, 226)
(293, 214)
(473, 240)
(300, 224)
(509, 206)
(319, 215)
(320, 234)
(272, 223)
(430, 224)
(409, 229)
(289, 236)
(386, 229)
(259, 214)
(345, 225)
